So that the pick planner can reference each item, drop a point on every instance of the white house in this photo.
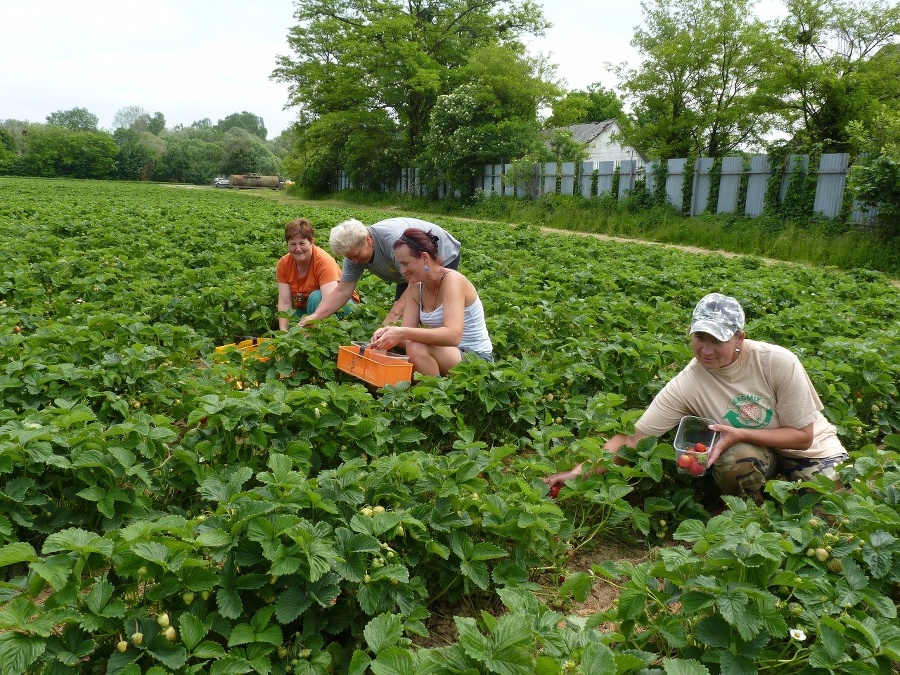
(601, 146)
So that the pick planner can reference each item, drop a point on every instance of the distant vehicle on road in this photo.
(221, 182)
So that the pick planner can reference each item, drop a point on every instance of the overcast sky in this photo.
(192, 59)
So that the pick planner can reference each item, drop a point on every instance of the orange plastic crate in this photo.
(372, 366)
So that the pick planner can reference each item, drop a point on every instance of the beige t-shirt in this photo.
(767, 387)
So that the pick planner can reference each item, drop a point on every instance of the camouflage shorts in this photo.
(744, 468)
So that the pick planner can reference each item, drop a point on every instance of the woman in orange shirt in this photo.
(306, 275)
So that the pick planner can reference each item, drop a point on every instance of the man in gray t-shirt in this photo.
(372, 248)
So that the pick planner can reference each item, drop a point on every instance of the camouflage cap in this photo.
(719, 315)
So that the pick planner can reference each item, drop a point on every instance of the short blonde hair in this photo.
(346, 236)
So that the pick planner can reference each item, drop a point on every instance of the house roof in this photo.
(585, 133)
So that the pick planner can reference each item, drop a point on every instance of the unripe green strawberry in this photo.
(122, 645)
(821, 554)
(163, 620)
(188, 597)
(137, 637)
(170, 634)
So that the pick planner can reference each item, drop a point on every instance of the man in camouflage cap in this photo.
(768, 416)
(719, 315)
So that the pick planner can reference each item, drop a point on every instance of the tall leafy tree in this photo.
(491, 117)
(189, 158)
(247, 121)
(54, 151)
(245, 153)
(132, 117)
(696, 90)
(597, 104)
(7, 150)
(157, 124)
(834, 59)
(76, 119)
(875, 178)
(382, 64)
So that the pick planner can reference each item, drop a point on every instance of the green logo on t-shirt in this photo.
(749, 411)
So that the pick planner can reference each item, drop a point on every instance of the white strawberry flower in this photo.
(798, 634)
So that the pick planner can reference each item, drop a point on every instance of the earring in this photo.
(737, 349)
(427, 268)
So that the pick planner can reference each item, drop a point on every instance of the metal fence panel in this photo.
(548, 184)
(650, 171)
(730, 184)
(487, 179)
(675, 181)
(628, 173)
(794, 164)
(758, 176)
(831, 183)
(700, 193)
(605, 172)
(509, 190)
(567, 179)
(585, 178)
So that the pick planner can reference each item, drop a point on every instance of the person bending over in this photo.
(371, 248)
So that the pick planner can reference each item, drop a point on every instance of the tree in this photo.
(76, 119)
(580, 107)
(131, 117)
(157, 124)
(245, 153)
(696, 89)
(249, 122)
(875, 179)
(491, 117)
(54, 151)
(7, 150)
(834, 59)
(132, 156)
(387, 63)
(189, 159)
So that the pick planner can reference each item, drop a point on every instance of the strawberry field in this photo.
(168, 509)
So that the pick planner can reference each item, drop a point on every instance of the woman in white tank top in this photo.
(443, 318)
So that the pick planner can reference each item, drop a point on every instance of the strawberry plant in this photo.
(168, 507)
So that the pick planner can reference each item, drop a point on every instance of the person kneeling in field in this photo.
(443, 318)
(769, 416)
(306, 275)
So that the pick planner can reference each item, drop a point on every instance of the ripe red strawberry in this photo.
(700, 447)
(554, 491)
(696, 469)
(684, 461)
